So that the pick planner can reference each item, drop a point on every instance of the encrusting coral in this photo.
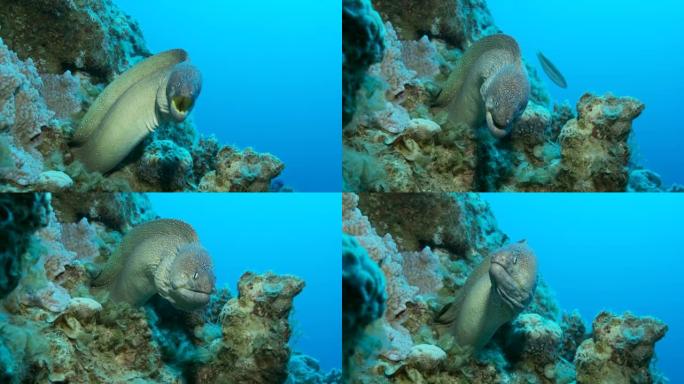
(430, 44)
(54, 78)
(56, 327)
(540, 344)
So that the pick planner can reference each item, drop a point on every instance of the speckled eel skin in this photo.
(495, 292)
(159, 257)
(489, 86)
(164, 86)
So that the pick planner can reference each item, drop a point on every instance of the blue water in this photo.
(607, 251)
(629, 47)
(272, 73)
(296, 234)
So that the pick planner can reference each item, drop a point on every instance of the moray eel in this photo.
(551, 71)
(164, 86)
(159, 257)
(489, 86)
(495, 292)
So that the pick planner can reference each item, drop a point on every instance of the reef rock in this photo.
(458, 22)
(255, 332)
(165, 164)
(23, 113)
(594, 147)
(241, 171)
(620, 349)
(305, 369)
(105, 44)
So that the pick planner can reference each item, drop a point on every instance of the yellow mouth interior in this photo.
(182, 103)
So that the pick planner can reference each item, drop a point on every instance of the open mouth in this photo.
(182, 104)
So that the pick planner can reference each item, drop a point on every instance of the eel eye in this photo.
(195, 276)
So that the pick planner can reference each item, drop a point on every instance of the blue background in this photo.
(629, 47)
(620, 252)
(272, 76)
(296, 234)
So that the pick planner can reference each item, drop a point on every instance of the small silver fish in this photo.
(551, 71)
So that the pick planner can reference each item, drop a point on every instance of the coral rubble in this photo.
(51, 73)
(548, 149)
(54, 327)
(453, 233)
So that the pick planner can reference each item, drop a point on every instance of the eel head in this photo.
(513, 273)
(505, 94)
(183, 88)
(192, 278)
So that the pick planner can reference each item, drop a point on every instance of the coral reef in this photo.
(51, 75)
(54, 327)
(540, 345)
(594, 149)
(549, 147)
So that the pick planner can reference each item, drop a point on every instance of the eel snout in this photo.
(506, 287)
(183, 88)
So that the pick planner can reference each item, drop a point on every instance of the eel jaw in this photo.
(188, 299)
(181, 107)
(494, 129)
(507, 288)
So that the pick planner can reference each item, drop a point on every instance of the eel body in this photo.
(488, 86)
(495, 292)
(159, 257)
(133, 105)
